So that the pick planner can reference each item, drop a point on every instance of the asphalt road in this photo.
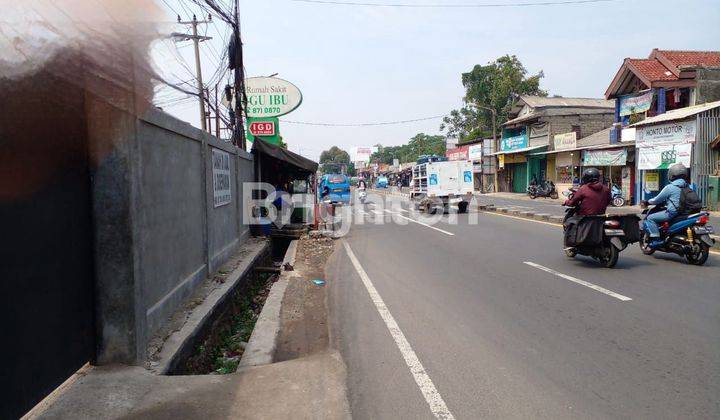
(495, 337)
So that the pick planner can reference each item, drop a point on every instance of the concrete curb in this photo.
(261, 347)
(183, 342)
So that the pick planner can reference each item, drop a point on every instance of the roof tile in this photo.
(652, 69)
(692, 58)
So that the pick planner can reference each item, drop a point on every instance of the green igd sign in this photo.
(271, 97)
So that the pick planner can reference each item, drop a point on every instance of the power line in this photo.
(450, 6)
(362, 124)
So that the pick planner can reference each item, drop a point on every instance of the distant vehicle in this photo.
(436, 186)
(617, 196)
(381, 182)
(335, 188)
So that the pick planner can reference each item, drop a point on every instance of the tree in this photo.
(495, 85)
(420, 144)
(333, 159)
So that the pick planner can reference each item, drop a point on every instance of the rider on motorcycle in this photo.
(593, 196)
(670, 197)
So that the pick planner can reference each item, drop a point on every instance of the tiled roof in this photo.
(692, 58)
(652, 69)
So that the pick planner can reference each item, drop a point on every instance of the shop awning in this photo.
(300, 164)
(594, 147)
(524, 149)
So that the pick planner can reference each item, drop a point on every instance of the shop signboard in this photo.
(475, 152)
(222, 194)
(508, 144)
(664, 156)
(636, 104)
(605, 157)
(565, 141)
(678, 132)
(501, 161)
(267, 129)
(271, 97)
(362, 153)
(458, 153)
(652, 181)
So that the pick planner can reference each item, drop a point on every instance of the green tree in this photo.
(494, 85)
(420, 144)
(333, 159)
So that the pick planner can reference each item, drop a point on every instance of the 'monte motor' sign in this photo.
(271, 97)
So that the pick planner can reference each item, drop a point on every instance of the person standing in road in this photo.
(593, 196)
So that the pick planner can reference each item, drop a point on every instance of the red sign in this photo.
(262, 128)
(458, 153)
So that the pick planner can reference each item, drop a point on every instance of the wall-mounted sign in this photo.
(664, 156)
(271, 97)
(565, 141)
(605, 157)
(635, 104)
(652, 181)
(222, 194)
(514, 142)
(475, 152)
(665, 134)
(501, 161)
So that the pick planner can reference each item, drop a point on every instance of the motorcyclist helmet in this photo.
(590, 175)
(678, 171)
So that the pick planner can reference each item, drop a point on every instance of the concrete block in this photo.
(556, 219)
(514, 212)
(542, 216)
(528, 214)
(502, 209)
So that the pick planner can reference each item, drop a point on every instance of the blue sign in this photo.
(467, 176)
(433, 179)
(514, 142)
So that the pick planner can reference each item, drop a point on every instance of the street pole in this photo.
(196, 40)
(217, 112)
(494, 137)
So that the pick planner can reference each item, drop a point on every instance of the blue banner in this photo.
(514, 143)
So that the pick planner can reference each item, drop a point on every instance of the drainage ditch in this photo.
(219, 350)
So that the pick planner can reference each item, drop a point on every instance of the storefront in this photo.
(513, 173)
(613, 166)
(475, 155)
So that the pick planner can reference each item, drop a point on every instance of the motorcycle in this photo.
(546, 189)
(617, 196)
(685, 235)
(362, 195)
(605, 236)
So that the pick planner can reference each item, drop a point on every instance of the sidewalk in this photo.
(306, 378)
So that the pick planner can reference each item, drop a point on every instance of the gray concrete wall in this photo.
(170, 234)
(708, 85)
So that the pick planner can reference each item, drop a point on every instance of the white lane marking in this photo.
(578, 281)
(420, 223)
(422, 379)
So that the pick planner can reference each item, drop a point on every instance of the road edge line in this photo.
(422, 379)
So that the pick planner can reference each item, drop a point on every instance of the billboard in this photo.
(362, 153)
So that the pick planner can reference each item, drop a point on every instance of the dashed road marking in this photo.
(578, 281)
(422, 379)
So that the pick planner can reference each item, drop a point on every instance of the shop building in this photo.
(680, 136)
(645, 88)
(534, 123)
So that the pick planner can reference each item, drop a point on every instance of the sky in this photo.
(377, 64)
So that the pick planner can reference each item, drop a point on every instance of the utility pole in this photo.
(196, 40)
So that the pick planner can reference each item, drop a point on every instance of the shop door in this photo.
(519, 178)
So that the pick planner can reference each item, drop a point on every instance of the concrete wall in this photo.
(158, 233)
(589, 123)
(708, 85)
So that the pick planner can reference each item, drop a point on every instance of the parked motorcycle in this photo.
(601, 237)
(617, 196)
(687, 236)
(546, 189)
